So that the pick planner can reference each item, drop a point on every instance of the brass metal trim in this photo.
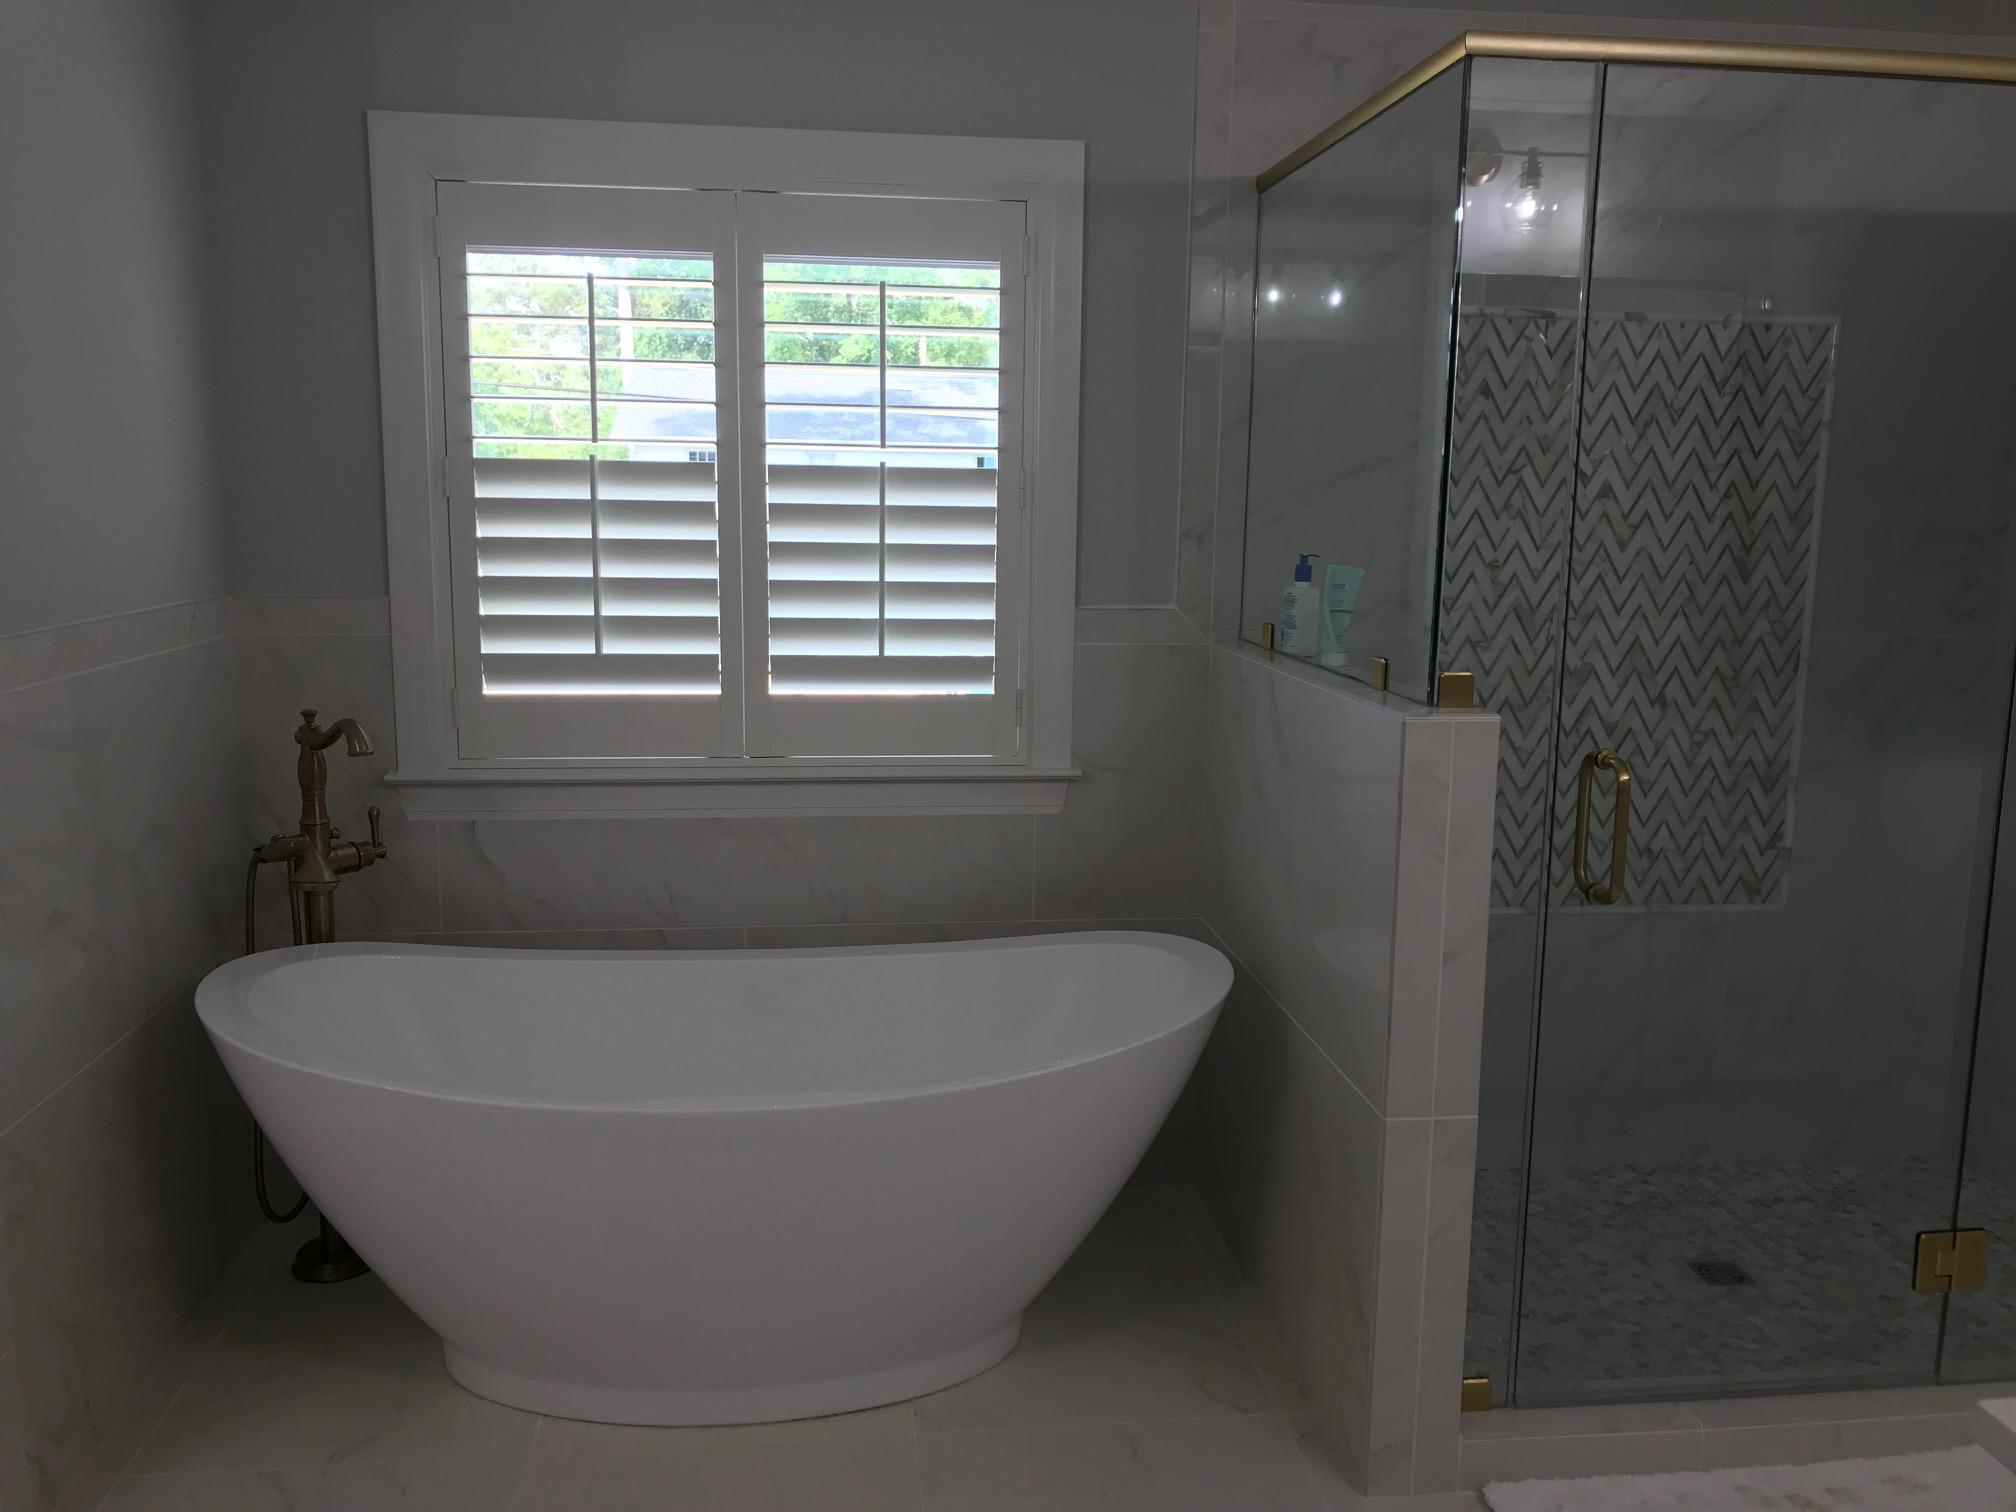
(1605, 893)
(1267, 635)
(1456, 690)
(1950, 1260)
(1476, 1394)
(1866, 62)
(1436, 62)
(1382, 673)
(1869, 62)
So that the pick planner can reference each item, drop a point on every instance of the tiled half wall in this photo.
(1338, 1100)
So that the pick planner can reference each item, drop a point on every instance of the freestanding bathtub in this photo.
(720, 1186)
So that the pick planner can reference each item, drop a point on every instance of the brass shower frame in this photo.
(1867, 62)
(1863, 62)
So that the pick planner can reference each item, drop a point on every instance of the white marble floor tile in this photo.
(1264, 1346)
(570, 1474)
(612, 1441)
(1250, 1317)
(1135, 1386)
(425, 1486)
(1201, 1466)
(308, 1377)
(1113, 1340)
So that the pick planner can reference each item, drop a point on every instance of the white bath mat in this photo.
(1950, 1480)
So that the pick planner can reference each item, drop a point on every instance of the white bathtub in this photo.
(721, 1186)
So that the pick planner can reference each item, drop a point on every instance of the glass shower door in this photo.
(1786, 638)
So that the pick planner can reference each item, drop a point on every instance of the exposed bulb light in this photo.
(1334, 298)
(1274, 296)
(1526, 209)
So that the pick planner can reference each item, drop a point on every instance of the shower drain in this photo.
(1720, 1272)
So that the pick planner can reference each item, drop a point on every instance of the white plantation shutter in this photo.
(882, 579)
(733, 475)
(597, 578)
(590, 394)
(890, 335)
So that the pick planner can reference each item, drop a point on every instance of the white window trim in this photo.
(411, 153)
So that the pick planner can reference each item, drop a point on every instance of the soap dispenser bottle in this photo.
(1301, 611)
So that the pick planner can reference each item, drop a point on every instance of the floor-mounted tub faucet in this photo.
(317, 858)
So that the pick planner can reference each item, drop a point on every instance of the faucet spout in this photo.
(318, 738)
(313, 771)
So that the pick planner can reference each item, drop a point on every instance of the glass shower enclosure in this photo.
(1666, 389)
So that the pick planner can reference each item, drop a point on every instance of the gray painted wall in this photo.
(122, 1190)
(285, 88)
(105, 491)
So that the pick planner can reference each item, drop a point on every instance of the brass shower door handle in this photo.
(1620, 832)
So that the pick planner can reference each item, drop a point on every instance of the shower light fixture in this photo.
(1274, 295)
(1334, 298)
(1527, 209)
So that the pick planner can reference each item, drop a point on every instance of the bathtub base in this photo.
(675, 1408)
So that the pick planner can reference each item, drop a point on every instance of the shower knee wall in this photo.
(1336, 1105)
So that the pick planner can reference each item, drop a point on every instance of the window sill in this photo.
(533, 793)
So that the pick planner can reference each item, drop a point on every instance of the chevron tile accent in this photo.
(1505, 558)
(1696, 517)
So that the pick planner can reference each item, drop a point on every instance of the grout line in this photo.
(187, 988)
(222, 599)
(1319, 1497)
(1280, 1008)
(232, 1312)
(1442, 935)
(1421, 1322)
(525, 1468)
(107, 666)
(145, 1440)
(1193, 1245)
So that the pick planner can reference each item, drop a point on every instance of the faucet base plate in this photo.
(326, 1258)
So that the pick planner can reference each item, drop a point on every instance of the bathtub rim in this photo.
(223, 995)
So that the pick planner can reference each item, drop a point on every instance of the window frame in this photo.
(411, 154)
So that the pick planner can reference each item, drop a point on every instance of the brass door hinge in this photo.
(1476, 1394)
(1456, 690)
(1950, 1260)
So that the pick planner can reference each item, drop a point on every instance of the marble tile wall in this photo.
(1336, 1106)
(1124, 848)
(121, 1142)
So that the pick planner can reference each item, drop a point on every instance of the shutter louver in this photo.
(881, 421)
(591, 390)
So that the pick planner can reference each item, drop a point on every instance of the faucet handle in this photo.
(377, 837)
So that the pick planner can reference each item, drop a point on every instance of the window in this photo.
(732, 499)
